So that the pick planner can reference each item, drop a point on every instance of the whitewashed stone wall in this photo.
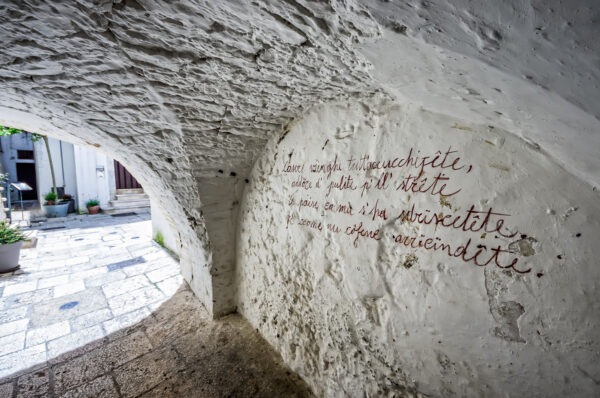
(95, 177)
(187, 94)
(64, 168)
(184, 94)
(161, 223)
(384, 248)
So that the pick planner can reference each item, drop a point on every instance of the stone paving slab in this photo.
(113, 318)
(176, 351)
(54, 309)
(83, 281)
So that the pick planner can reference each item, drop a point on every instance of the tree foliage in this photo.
(6, 131)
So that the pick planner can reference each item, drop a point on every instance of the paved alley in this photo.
(99, 309)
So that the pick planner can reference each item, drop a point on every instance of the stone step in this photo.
(32, 240)
(129, 203)
(126, 209)
(126, 191)
(127, 196)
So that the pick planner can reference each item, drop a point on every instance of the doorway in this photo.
(124, 179)
(26, 173)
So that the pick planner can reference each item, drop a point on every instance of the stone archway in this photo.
(183, 212)
(189, 94)
(186, 100)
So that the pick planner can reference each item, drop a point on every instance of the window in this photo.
(26, 155)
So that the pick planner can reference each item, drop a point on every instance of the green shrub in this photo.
(91, 203)
(160, 239)
(50, 197)
(10, 234)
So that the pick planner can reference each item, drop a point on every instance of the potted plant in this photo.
(93, 206)
(66, 198)
(11, 241)
(54, 208)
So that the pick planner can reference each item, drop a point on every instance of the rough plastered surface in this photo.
(387, 249)
(185, 94)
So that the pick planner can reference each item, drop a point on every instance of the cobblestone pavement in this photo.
(99, 310)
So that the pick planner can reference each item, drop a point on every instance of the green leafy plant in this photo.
(50, 198)
(10, 234)
(160, 239)
(3, 177)
(92, 203)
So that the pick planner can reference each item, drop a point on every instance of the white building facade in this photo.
(80, 172)
(83, 173)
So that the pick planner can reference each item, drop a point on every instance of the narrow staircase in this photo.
(129, 201)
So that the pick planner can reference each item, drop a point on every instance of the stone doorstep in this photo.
(134, 209)
(137, 196)
(32, 240)
(130, 190)
(130, 203)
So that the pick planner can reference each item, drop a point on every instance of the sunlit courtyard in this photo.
(89, 276)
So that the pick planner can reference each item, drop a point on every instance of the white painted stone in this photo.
(47, 333)
(64, 170)
(54, 281)
(9, 364)
(90, 319)
(125, 320)
(19, 288)
(134, 300)
(11, 343)
(77, 260)
(219, 94)
(95, 176)
(189, 99)
(351, 312)
(13, 314)
(82, 275)
(162, 273)
(163, 225)
(13, 326)
(74, 340)
(170, 285)
(126, 285)
(69, 288)
(104, 278)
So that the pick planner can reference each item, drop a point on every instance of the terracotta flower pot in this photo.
(9, 256)
(93, 209)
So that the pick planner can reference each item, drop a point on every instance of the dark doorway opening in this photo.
(26, 173)
(123, 179)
